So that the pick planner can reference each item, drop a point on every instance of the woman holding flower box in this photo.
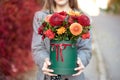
(79, 26)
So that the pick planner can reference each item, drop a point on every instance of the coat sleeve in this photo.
(85, 50)
(39, 50)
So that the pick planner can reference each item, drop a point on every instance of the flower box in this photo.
(63, 56)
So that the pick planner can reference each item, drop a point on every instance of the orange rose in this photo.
(61, 30)
(47, 18)
(74, 13)
(76, 29)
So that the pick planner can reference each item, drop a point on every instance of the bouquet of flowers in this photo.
(63, 29)
(65, 26)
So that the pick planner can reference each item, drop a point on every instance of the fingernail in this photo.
(52, 70)
(75, 69)
(49, 63)
(54, 75)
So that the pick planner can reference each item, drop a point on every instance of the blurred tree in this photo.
(2, 76)
(114, 6)
(15, 35)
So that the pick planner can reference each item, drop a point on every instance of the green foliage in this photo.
(114, 6)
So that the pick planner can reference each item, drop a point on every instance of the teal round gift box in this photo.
(63, 57)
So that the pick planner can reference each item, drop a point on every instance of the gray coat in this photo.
(40, 48)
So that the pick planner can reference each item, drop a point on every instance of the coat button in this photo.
(66, 78)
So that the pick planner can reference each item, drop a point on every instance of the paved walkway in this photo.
(107, 33)
(92, 70)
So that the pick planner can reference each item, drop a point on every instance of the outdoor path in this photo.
(107, 33)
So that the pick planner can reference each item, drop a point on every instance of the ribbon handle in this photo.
(61, 47)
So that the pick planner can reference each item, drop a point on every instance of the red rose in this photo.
(86, 35)
(43, 37)
(84, 20)
(70, 20)
(74, 17)
(63, 13)
(49, 34)
(56, 19)
(40, 29)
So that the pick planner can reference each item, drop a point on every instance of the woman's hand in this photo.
(80, 67)
(45, 68)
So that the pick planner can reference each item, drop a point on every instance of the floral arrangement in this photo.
(65, 26)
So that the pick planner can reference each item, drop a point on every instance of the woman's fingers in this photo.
(45, 68)
(47, 61)
(80, 67)
(49, 74)
(79, 61)
(78, 73)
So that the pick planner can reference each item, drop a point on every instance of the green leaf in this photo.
(90, 27)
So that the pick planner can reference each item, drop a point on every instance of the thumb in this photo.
(47, 61)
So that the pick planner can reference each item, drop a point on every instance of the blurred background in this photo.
(16, 18)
